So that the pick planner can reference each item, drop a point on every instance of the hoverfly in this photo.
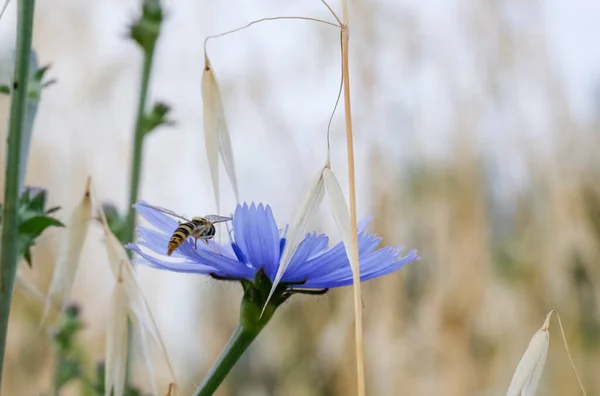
(198, 228)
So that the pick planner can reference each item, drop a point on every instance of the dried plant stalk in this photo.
(360, 365)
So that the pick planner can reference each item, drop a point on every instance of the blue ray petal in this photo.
(158, 219)
(334, 259)
(255, 232)
(379, 263)
(187, 266)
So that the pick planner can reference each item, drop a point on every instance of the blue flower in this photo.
(256, 246)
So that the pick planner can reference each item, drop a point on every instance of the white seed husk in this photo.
(526, 378)
(138, 308)
(216, 133)
(116, 341)
(69, 254)
(299, 226)
(340, 212)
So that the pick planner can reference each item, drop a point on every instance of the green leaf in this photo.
(38, 201)
(27, 256)
(36, 225)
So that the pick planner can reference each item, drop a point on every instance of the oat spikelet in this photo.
(138, 309)
(299, 227)
(339, 209)
(529, 371)
(116, 341)
(216, 132)
(71, 244)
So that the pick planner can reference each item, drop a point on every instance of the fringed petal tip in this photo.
(410, 256)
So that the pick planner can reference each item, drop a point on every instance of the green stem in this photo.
(10, 249)
(240, 340)
(136, 170)
(138, 142)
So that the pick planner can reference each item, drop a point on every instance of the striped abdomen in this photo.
(197, 228)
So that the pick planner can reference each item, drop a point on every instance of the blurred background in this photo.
(476, 136)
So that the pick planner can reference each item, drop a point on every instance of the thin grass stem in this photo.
(266, 20)
(9, 256)
(562, 332)
(332, 12)
(360, 367)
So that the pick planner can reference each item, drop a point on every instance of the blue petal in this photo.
(201, 261)
(379, 263)
(186, 266)
(333, 259)
(311, 245)
(158, 219)
(256, 234)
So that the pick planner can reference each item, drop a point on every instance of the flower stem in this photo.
(240, 340)
(10, 249)
(148, 46)
(138, 142)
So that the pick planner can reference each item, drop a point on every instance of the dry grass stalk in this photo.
(116, 340)
(216, 132)
(299, 226)
(353, 256)
(562, 332)
(71, 244)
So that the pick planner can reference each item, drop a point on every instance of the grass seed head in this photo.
(71, 245)
(299, 226)
(216, 132)
(527, 376)
(116, 341)
(339, 209)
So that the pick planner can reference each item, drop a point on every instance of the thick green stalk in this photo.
(138, 142)
(240, 340)
(10, 249)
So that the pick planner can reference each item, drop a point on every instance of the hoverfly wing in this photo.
(217, 219)
(164, 210)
